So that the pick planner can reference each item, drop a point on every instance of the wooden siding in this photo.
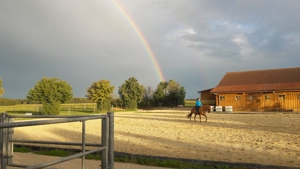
(261, 102)
(208, 98)
(206, 95)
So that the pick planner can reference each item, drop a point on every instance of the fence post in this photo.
(3, 139)
(83, 144)
(1, 145)
(111, 140)
(10, 145)
(104, 142)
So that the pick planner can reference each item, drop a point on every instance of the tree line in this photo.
(51, 92)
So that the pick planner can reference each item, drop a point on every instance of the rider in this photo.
(198, 105)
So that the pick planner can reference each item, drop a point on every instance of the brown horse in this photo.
(202, 111)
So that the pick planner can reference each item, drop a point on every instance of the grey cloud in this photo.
(83, 42)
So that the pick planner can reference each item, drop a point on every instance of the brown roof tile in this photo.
(260, 80)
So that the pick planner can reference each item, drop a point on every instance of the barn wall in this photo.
(260, 101)
(291, 101)
(206, 95)
(230, 101)
(208, 98)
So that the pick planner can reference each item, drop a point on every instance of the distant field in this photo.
(74, 109)
(190, 103)
(66, 109)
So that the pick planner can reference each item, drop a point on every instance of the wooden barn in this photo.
(260, 90)
(207, 97)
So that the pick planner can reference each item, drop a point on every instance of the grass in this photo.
(66, 109)
(124, 159)
(166, 163)
(22, 149)
(54, 152)
(189, 103)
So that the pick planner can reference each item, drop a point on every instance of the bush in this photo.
(131, 105)
(51, 108)
(104, 105)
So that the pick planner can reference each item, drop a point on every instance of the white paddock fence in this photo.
(106, 147)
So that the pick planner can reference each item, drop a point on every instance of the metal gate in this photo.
(106, 147)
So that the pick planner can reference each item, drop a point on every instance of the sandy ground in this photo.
(262, 138)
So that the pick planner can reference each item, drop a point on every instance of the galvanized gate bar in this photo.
(111, 140)
(6, 146)
(107, 139)
(10, 146)
(83, 143)
(56, 143)
(50, 116)
(104, 141)
(3, 143)
(44, 122)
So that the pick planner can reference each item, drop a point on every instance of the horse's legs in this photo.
(195, 116)
(200, 116)
(205, 117)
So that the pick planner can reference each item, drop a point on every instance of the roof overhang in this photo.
(257, 88)
(205, 90)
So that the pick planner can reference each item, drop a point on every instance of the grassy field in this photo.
(189, 103)
(66, 109)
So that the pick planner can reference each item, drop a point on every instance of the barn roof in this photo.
(260, 81)
(206, 90)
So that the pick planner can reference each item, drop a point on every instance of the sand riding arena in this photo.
(261, 138)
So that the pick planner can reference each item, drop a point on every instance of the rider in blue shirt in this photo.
(198, 104)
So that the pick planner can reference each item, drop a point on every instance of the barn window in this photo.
(267, 97)
(250, 97)
(222, 97)
(237, 97)
(281, 97)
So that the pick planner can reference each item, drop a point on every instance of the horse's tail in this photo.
(189, 115)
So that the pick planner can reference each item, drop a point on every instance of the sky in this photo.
(193, 42)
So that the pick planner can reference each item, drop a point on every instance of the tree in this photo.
(169, 93)
(160, 93)
(181, 96)
(116, 101)
(175, 93)
(131, 93)
(101, 93)
(147, 97)
(51, 92)
(1, 88)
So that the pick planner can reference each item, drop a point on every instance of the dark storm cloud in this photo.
(83, 42)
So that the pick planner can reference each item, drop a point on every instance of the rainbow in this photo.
(144, 42)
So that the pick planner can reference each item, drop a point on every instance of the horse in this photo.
(202, 111)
